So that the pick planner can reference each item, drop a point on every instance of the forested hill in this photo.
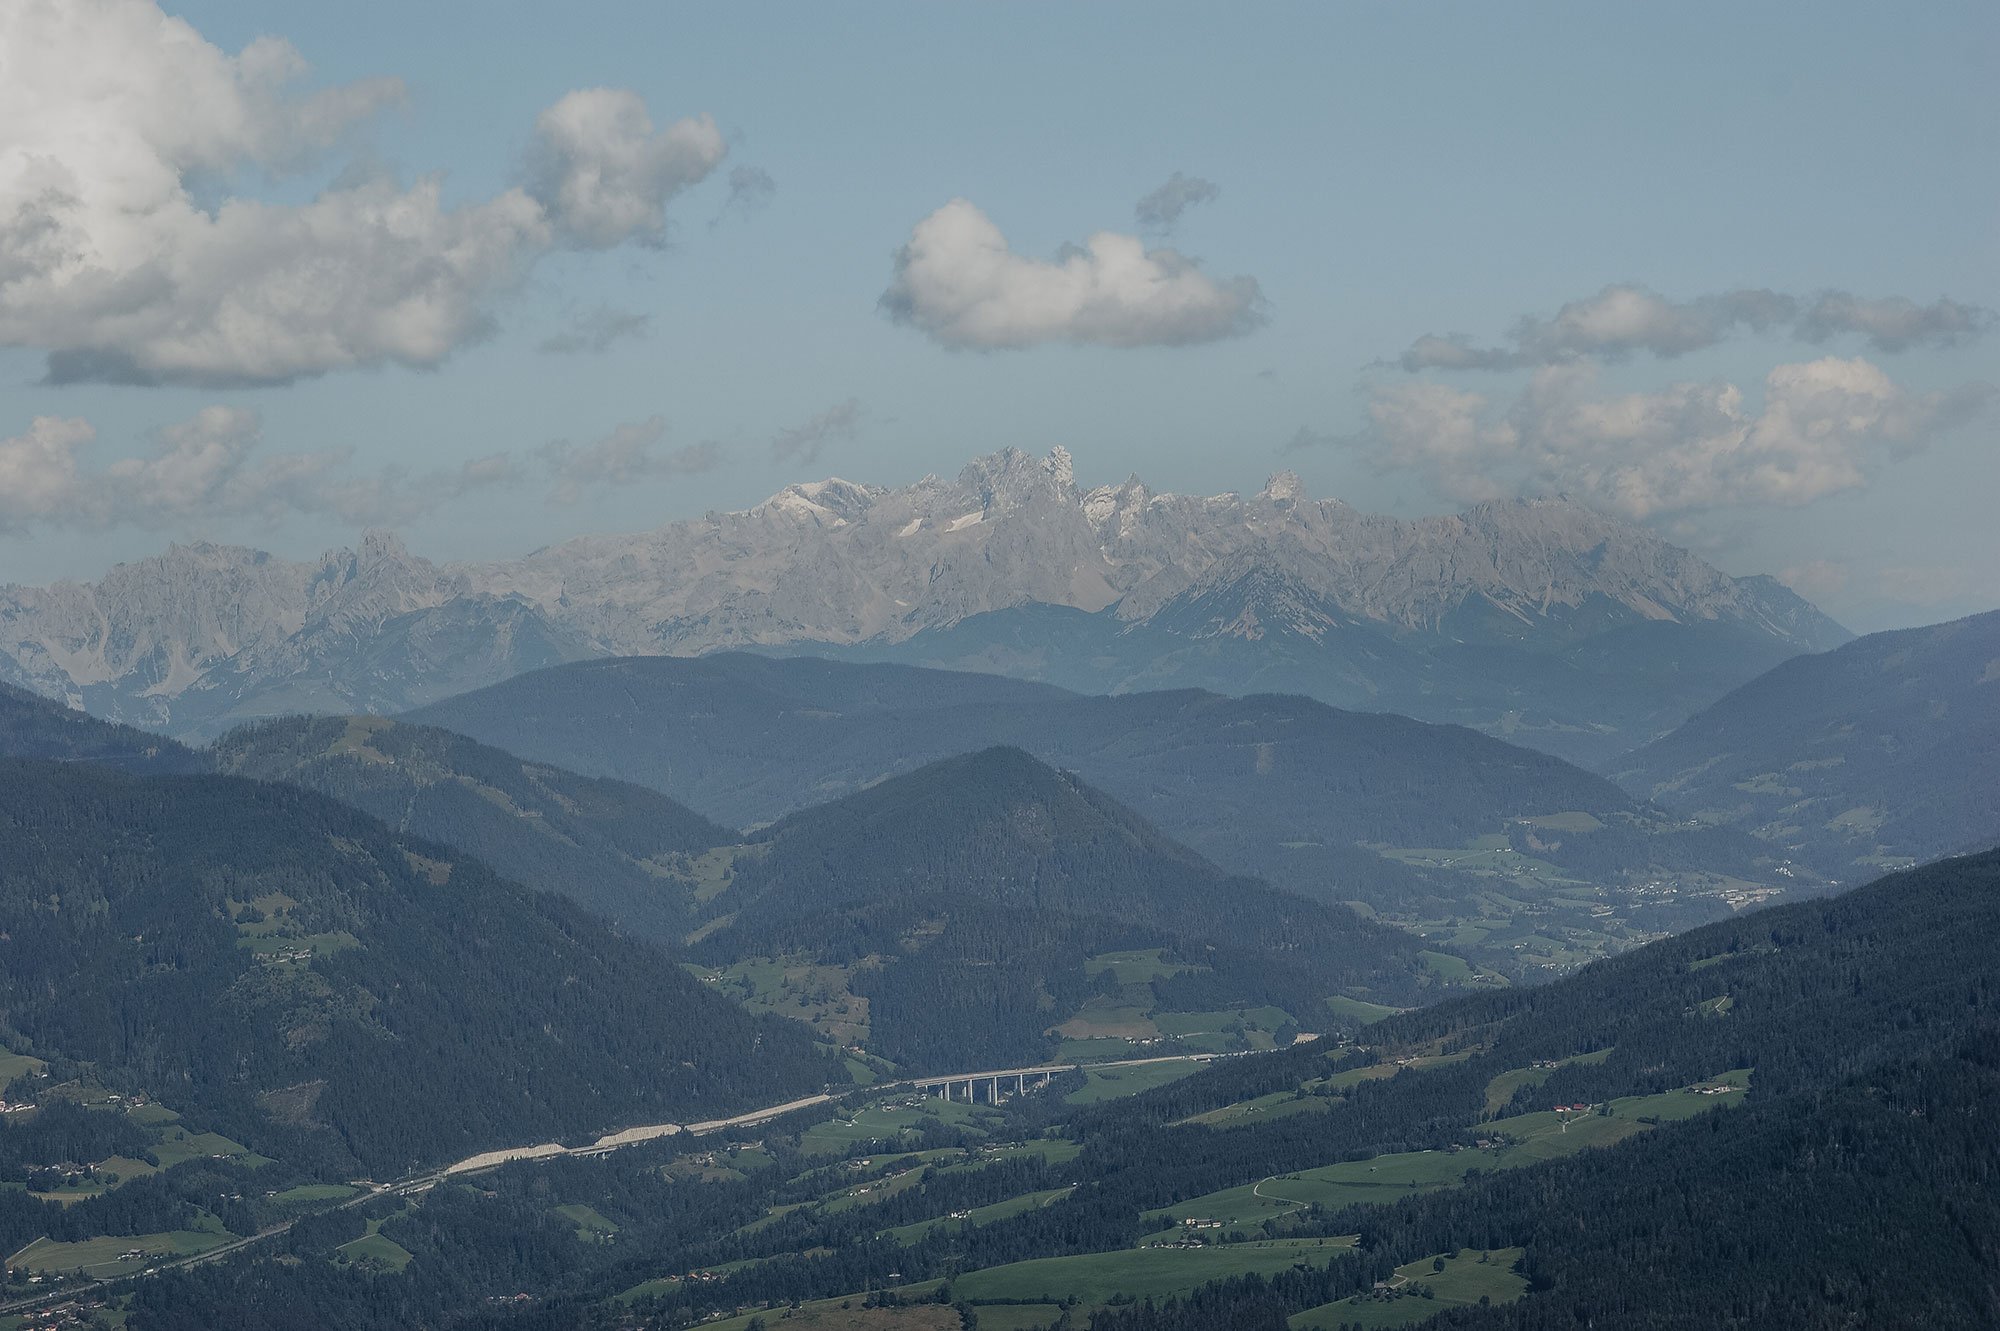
(294, 974)
(622, 850)
(976, 899)
(996, 825)
(749, 739)
(1339, 805)
(1881, 752)
(1859, 1186)
(32, 726)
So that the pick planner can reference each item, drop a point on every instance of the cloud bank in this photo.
(200, 471)
(1621, 321)
(627, 455)
(111, 111)
(802, 443)
(958, 281)
(1689, 446)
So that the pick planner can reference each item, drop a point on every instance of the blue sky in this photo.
(1381, 173)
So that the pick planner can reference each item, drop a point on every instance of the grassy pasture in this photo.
(106, 1257)
(590, 1226)
(885, 1121)
(1358, 1012)
(178, 1144)
(1157, 1273)
(1019, 1316)
(980, 1215)
(14, 1065)
(831, 1315)
(1501, 1089)
(312, 1194)
(1279, 1104)
(1111, 1083)
(1134, 967)
(374, 1252)
(1464, 1280)
(797, 988)
(1100, 1020)
(1531, 1138)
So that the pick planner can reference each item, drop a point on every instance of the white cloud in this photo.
(958, 281)
(201, 471)
(623, 457)
(1686, 447)
(1161, 209)
(110, 111)
(605, 175)
(802, 443)
(1441, 431)
(1894, 323)
(1623, 320)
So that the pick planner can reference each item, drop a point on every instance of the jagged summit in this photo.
(942, 571)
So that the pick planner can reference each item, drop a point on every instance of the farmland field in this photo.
(1111, 1083)
(1095, 1278)
(105, 1257)
(1528, 1139)
(1467, 1277)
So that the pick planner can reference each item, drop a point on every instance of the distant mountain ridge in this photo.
(1877, 755)
(1538, 617)
(1340, 806)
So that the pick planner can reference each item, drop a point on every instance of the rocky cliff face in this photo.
(1277, 589)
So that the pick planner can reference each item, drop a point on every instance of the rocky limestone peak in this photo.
(1012, 479)
(1284, 487)
(1060, 468)
(379, 544)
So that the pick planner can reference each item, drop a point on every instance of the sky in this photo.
(498, 275)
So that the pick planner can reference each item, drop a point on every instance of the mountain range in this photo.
(1514, 856)
(1880, 754)
(1540, 620)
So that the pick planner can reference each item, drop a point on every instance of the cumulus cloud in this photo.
(751, 190)
(112, 111)
(1161, 209)
(1620, 321)
(604, 174)
(629, 454)
(201, 470)
(802, 443)
(1689, 446)
(958, 281)
(596, 332)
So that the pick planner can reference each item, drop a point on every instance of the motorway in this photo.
(423, 1182)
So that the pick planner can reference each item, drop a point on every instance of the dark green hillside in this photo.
(973, 895)
(32, 726)
(1436, 828)
(294, 974)
(1854, 1184)
(995, 825)
(1877, 754)
(1860, 1186)
(622, 850)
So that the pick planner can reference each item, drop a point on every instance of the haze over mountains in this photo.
(1523, 858)
(1542, 620)
(1879, 754)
